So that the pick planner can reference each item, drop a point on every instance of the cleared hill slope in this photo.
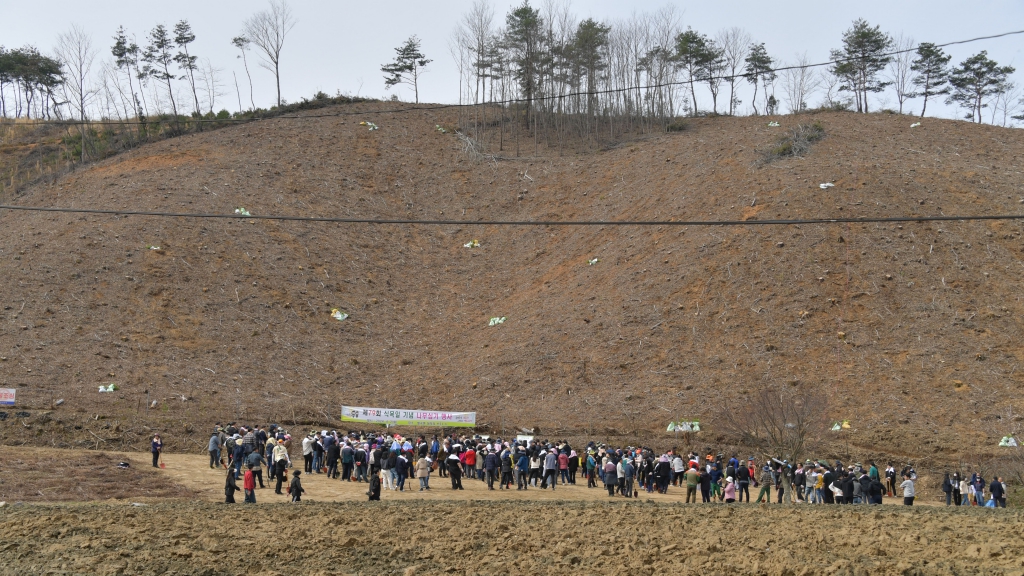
(913, 330)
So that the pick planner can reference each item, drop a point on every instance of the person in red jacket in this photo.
(563, 467)
(470, 463)
(249, 485)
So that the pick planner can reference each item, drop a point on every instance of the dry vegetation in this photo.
(79, 476)
(909, 329)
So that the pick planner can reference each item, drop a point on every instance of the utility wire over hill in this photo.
(511, 101)
(518, 223)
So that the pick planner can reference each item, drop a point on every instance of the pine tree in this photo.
(760, 68)
(183, 36)
(862, 57)
(158, 59)
(975, 80)
(932, 68)
(407, 67)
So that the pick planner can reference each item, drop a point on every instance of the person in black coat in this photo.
(865, 488)
(374, 491)
(846, 484)
(829, 478)
(230, 487)
(333, 454)
(875, 491)
(455, 471)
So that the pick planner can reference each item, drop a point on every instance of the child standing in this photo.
(295, 489)
(249, 485)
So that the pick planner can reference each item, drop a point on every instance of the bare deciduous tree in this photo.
(76, 54)
(267, 29)
(900, 73)
(798, 82)
(210, 84)
(783, 423)
(735, 44)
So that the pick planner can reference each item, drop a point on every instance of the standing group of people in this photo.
(245, 451)
(387, 462)
(961, 491)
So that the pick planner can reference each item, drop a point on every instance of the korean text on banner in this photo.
(7, 396)
(399, 417)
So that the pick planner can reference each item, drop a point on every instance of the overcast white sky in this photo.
(340, 45)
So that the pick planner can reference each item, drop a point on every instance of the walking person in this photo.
(730, 491)
(965, 492)
(255, 463)
(947, 489)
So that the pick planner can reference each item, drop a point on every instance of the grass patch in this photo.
(796, 142)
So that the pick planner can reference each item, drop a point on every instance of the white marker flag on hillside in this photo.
(397, 417)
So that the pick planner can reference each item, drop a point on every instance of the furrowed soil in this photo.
(910, 329)
(502, 537)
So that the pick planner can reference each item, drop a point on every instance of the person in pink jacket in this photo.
(730, 490)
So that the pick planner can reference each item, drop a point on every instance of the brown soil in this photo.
(41, 475)
(502, 537)
(229, 320)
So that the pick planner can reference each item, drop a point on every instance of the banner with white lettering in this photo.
(397, 417)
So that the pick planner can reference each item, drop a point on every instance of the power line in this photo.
(728, 77)
(575, 223)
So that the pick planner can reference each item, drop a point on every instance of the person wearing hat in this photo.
(730, 490)
(281, 463)
(766, 485)
(743, 479)
(230, 487)
(295, 489)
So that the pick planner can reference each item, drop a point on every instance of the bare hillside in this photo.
(911, 329)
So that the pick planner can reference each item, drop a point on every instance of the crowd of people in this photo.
(386, 462)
